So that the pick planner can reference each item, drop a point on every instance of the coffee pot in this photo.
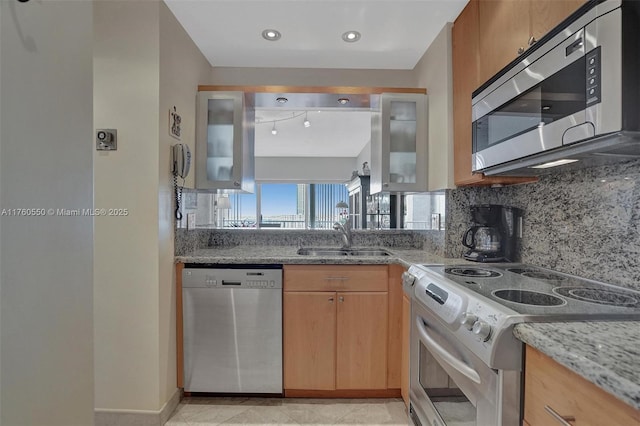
(492, 237)
(484, 239)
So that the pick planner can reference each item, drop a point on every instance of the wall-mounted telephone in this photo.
(180, 163)
(181, 160)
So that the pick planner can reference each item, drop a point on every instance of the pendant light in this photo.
(307, 123)
(274, 131)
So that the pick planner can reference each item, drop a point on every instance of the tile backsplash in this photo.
(582, 222)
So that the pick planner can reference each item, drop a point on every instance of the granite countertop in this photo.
(606, 353)
(288, 255)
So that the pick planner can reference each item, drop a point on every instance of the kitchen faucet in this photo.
(345, 230)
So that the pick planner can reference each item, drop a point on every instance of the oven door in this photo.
(450, 386)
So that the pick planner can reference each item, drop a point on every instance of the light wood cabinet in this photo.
(335, 339)
(509, 27)
(309, 340)
(361, 348)
(406, 332)
(395, 342)
(550, 387)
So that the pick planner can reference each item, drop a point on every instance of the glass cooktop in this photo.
(537, 291)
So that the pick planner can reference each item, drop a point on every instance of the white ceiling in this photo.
(395, 33)
(332, 133)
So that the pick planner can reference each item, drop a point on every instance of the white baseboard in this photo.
(114, 417)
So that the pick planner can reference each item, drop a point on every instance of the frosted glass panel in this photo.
(220, 139)
(402, 143)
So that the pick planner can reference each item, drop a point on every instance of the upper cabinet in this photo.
(399, 143)
(508, 27)
(486, 37)
(224, 157)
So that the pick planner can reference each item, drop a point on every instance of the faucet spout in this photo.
(345, 230)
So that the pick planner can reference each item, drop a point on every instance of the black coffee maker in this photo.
(492, 238)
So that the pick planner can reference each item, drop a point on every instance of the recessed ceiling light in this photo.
(271, 35)
(343, 101)
(282, 100)
(351, 36)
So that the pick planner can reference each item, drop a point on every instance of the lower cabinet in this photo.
(335, 327)
(406, 332)
(553, 394)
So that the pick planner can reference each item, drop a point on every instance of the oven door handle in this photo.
(445, 356)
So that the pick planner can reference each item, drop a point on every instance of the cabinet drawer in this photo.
(550, 387)
(335, 278)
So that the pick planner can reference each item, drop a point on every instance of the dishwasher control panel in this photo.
(245, 278)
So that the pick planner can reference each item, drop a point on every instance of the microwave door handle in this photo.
(445, 356)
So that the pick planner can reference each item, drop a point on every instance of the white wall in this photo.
(311, 77)
(145, 64)
(126, 271)
(46, 263)
(304, 169)
(434, 71)
(182, 68)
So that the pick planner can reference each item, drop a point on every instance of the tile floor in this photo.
(197, 411)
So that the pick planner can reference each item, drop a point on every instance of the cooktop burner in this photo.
(599, 296)
(537, 274)
(472, 272)
(527, 297)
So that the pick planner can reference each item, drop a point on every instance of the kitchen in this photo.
(134, 309)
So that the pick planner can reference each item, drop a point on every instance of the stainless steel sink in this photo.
(315, 251)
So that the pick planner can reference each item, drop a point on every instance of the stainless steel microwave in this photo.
(572, 99)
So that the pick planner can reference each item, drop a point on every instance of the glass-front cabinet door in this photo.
(399, 143)
(225, 141)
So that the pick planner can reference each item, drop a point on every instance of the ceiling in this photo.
(395, 33)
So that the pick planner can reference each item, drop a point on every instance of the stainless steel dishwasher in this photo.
(232, 319)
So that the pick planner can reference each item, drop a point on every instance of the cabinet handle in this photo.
(236, 183)
(520, 50)
(563, 420)
(532, 41)
(330, 300)
(341, 299)
(336, 278)
(386, 185)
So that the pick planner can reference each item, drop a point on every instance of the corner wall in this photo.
(182, 68)
(434, 71)
(126, 268)
(46, 262)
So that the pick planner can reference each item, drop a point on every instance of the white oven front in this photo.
(450, 386)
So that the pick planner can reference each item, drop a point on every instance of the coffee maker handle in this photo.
(465, 237)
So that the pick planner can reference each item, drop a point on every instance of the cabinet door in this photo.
(399, 144)
(361, 341)
(504, 28)
(224, 154)
(464, 37)
(547, 14)
(406, 331)
(550, 387)
(309, 337)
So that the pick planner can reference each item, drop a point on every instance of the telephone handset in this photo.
(181, 163)
(181, 160)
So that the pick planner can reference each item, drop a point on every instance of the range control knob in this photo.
(468, 319)
(408, 279)
(482, 330)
